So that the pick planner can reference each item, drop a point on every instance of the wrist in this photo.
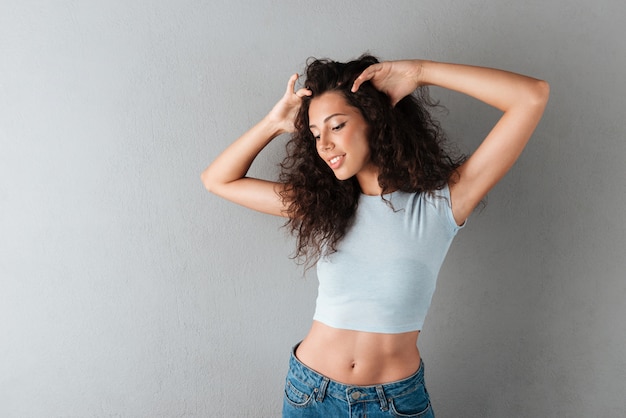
(273, 126)
(422, 72)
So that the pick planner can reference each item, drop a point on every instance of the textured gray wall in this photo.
(127, 291)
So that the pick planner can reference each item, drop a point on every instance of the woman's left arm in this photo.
(521, 98)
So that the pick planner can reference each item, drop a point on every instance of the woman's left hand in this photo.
(397, 79)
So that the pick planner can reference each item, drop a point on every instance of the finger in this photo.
(303, 92)
(291, 84)
(366, 75)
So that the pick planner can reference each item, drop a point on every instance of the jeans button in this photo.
(356, 395)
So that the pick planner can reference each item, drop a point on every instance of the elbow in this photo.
(541, 93)
(207, 180)
(534, 97)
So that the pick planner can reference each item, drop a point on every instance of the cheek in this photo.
(360, 141)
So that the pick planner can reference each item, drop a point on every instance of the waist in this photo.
(359, 358)
(336, 389)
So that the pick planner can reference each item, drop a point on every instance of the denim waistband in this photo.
(325, 386)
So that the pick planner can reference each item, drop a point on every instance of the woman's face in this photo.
(340, 133)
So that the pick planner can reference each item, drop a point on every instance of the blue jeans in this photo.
(309, 394)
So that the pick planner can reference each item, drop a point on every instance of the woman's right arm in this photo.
(226, 176)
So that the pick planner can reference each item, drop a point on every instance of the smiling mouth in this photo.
(336, 161)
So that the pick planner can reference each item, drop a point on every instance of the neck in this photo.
(368, 181)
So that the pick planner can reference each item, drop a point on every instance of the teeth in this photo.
(335, 159)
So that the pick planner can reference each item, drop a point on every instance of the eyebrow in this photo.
(329, 117)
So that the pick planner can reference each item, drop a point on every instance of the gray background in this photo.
(126, 290)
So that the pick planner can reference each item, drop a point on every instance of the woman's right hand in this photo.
(283, 114)
(227, 176)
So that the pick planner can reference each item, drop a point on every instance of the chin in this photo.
(343, 177)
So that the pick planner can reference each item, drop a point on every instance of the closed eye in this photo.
(334, 129)
(338, 127)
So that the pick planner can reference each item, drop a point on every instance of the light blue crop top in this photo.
(383, 275)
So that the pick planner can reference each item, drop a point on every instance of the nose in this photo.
(323, 143)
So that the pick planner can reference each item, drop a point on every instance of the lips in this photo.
(336, 161)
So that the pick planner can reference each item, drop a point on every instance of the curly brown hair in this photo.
(406, 144)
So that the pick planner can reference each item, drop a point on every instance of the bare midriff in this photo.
(359, 358)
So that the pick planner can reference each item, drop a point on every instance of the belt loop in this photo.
(321, 392)
(383, 399)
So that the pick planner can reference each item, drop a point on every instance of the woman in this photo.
(375, 200)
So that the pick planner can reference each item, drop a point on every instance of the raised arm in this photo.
(226, 176)
(521, 98)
